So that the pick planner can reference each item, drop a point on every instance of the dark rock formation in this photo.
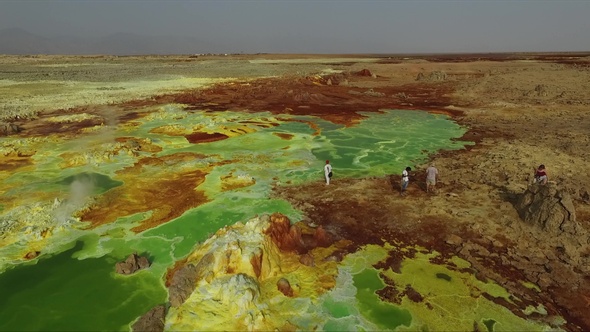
(364, 72)
(413, 295)
(435, 76)
(152, 320)
(256, 261)
(284, 287)
(182, 284)
(132, 264)
(184, 281)
(9, 128)
(322, 238)
(285, 236)
(548, 207)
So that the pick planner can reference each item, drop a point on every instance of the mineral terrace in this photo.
(521, 110)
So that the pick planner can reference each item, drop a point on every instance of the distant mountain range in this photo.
(19, 41)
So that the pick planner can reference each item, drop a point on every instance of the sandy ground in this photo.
(522, 110)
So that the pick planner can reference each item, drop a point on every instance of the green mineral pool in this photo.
(73, 286)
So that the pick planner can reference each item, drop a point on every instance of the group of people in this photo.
(432, 175)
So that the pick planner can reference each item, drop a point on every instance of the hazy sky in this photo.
(328, 26)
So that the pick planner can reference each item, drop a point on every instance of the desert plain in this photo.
(518, 111)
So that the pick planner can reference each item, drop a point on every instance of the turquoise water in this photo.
(77, 289)
(387, 143)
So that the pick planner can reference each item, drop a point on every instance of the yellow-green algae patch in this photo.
(540, 309)
(530, 285)
(370, 255)
(443, 298)
(453, 300)
(38, 96)
(459, 262)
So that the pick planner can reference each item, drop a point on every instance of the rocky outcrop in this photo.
(9, 128)
(285, 236)
(548, 207)
(292, 238)
(132, 264)
(435, 76)
(184, 280)
(373, 93)
(364, 72)
(182, 284)
(152, 320)
(232, 279)
(284, 286)
(322, 238)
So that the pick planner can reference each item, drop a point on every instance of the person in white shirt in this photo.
(328, 172)
(405, 180)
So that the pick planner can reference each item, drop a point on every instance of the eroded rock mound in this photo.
(132, 264)
(285, 236)
(548, 207)
(364, 72)
(231, 278)
(284, 286)
(152, 320)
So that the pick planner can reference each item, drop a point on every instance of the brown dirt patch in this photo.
(165, 198)
(198, 137)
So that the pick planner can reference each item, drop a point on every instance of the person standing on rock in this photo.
(328, 172)
(405, 180)
(431, 175)
(540, 175)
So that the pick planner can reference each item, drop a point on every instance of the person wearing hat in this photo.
(431, 174)
(328, 172)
